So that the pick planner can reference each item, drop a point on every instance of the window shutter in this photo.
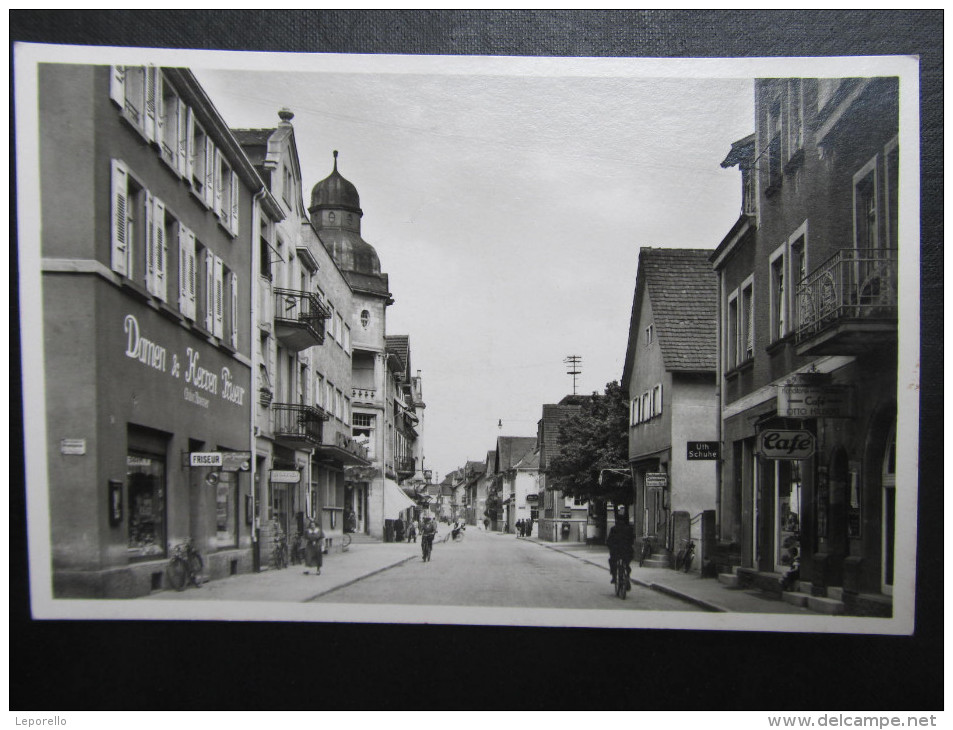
(160, 108)
(150, 119)
(208, 191)
(120, 201)
(658, 409)
(150, 243)
(190, 145)
(233, 285)
(191, 274)
(181, 162)
(182, 241)
(234, 211)
(117, 85)
(219, 329)
(209, 290)
(161, 249)
(218, 185)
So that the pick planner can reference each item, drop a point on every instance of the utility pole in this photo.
(575, 368)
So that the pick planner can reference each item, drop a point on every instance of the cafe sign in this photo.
(809, 400)
(786, 445)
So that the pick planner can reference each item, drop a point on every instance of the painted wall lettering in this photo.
(230, 391)
(139, 348)
(199, 376)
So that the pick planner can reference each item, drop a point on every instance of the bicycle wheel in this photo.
(345, 542)
(177, 572)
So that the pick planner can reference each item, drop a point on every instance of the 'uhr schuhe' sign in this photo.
(702, 450)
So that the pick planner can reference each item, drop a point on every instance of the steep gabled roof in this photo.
(510, 449)
(682, 288)
(553, 415)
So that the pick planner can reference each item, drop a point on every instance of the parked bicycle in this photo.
(185, 567)
(621, 571)
(279, 554)
(646, 550)
(685, 556)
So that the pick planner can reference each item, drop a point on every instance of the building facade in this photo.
(560, 518)
(807, 343)
(669, 375)
(149, 214)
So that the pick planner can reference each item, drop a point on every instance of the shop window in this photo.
(226, 510)
(145, 480)
(788, 481)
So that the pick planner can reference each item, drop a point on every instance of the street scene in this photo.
(295, 323)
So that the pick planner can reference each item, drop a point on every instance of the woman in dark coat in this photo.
(399, 530)
(314, 545)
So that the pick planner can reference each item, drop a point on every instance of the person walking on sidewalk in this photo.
(399, 530)
(412, 532)
(528, 527)
(314, 546)
(427, 533)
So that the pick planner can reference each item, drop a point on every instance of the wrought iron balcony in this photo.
(405, 465)
(848, 305)
(299, 319)
(298, 425)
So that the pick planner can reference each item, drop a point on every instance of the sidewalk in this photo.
(706, 593)
(292, 585)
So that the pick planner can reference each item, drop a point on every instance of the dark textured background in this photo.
(208, 665)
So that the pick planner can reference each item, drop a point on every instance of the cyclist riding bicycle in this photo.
(427, 533)
(620, 541)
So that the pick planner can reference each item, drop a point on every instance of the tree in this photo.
(590, 441)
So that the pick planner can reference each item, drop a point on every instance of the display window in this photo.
(145, 480)
(226, 510)
(788, 480)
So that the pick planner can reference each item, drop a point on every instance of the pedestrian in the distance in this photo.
(412, 532)
(399, 530)
(528, 527)
(519, 528)
(486, 524)
(314, 547)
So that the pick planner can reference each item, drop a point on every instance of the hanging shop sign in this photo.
(656, 479)
(278, 476)
(236, 460)
(532, 497)
(786, 445)
(703, 450)
(815, 401)
(205, 458)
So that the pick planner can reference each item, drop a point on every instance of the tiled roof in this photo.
(530, 460)
(510, 449)
(553, 415)
(476, 466)
(400, 346)
(682, 288)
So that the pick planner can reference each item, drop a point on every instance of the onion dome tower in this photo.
(336, 216)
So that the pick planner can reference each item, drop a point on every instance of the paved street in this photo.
(489, 569)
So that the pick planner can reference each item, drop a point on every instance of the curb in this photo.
(658, 587)
(358, 579)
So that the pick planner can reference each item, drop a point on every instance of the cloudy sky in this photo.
(508, 211)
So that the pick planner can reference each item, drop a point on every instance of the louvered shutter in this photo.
(150, 244)
(161, 249)
(117, 85)
(233, 286)
(235, 207)
(658, 409)
(219, 323)
(182, 241)
(191, 275)
(749, 334)
(160, 108)
(120, 202)
(190, 145)
(209, 290)
(181, 162)
(150, 112)
(218, 185)
(208, 191)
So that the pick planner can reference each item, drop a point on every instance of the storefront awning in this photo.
(395, 501)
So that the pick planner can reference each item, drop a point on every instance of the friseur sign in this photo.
(814, 401)
(786, 445)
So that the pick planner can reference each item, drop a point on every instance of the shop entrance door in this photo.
(787, 500)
